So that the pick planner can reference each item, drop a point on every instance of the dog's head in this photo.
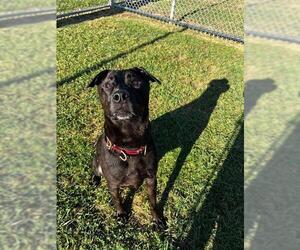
(124, 94)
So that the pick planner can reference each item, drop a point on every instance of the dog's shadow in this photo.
(181, 128)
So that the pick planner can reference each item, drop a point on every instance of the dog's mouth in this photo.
(123, 116)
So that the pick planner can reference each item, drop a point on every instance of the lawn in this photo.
(27, 132)
(268, 59)
(197, 125)
(8, 5)
(271, 143)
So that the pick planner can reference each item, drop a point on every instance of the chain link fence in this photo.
(275, 19)
(72, 5)
(223, 18)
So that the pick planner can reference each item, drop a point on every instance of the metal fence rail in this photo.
(222, 18)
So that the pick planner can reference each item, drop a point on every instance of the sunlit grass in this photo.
(185, 62)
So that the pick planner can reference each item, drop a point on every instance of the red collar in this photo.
(125, 152)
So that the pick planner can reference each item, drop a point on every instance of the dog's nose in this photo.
(120, 96)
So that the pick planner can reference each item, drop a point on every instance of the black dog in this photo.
(125, 153)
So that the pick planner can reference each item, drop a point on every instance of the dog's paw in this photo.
(160, 224)
(96, 180)
(122, 217)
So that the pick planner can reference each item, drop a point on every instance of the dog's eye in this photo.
(136, 84)
(108, 85)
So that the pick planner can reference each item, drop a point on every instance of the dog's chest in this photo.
(133, 173)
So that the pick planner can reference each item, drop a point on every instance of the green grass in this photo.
(205, 195)
(67, 5)
(271, 142)
(27, 132)
(277, 61)
(8, 5)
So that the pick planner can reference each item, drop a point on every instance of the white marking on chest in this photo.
(100, 169)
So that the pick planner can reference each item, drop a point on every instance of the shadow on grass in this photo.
(220, 219)
(182, 127)
(221, 213)
(114, 58)
(22, 79)
(75, 18)
(272, 198)
(27, 17)
(255, 89)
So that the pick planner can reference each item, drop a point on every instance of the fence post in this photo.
(173, 8)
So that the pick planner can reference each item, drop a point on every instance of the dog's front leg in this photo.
(116, 196)
(151, 186)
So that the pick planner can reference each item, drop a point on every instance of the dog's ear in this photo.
(146, 74)
(98, 78)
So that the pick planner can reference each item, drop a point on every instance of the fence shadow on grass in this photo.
(97, 66)
(182, 127)
(27, 17)
(30, 77)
